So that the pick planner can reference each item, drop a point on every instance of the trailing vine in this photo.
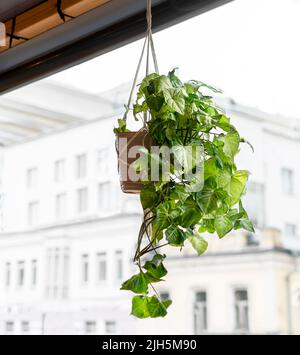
(182, 114)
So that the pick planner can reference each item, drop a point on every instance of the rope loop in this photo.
(150, 48)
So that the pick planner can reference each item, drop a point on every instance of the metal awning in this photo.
(108, 26)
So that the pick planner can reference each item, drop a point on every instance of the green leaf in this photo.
(156, 308)
(148, 197)
(155, 268)
(190, 217)
(121, 126)
(223, 225)
(137, 284)
(234, 185)
(199, 84)
(174, 79)
(175, 100)
(198, 243)
(163, 219)
(231, 144)
(145, 307)
(162, 84)
(179, 193)
(145, 83)
(175, 236)
(243, 221)
(210, 168)
(157, 233)
(238, 186)
(207, 200)
(140, 307)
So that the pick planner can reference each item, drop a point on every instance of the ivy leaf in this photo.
(191, 214)
(175, 100)
(175, 236)
(207, 200)
(145, 83)
(174, 79)
(157, 308)
(145, 307)
(140, 307)
(155, 102)
(157, 233)
(199, 84)
(162, 216)
(162, 84)
(179, 193)
(234, 184)
(137, 284)
(223, 225)
(231, 144)
(155, 268)
(238, 186)
(210, 168)
(121, 126)
(148, 197)
(244, 222)
(198, 243)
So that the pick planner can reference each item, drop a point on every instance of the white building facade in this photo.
(68, 235)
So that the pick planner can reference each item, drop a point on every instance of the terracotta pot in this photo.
(125, 163)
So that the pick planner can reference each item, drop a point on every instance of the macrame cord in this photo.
(149, 48)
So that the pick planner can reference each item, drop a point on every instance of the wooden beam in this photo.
(44, 17)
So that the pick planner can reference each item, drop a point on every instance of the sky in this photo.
(248, 48)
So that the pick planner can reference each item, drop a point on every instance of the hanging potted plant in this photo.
(188, 181)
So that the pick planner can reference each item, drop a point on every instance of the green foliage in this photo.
(182, 114)
(145, 307)
(121, 126)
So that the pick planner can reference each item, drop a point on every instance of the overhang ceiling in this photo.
(92, 27)
(11, 8)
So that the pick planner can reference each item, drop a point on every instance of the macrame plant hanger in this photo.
(141, 137)
(149, 50)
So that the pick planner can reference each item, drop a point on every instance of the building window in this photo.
(31, 179)
(254, 203)
(288, 181)
(164, 296)
(103, 195)
(81, 166)
(9, 327)
(110, 327)
(34, 272)
(102, 161)
(90, 327)
(33, 213)
(291, 230)
(241, 310)
(59, 171)
(7, 274)
(102, 266)
(200, 312)
(82, 200)
(21, 273)
(85, 268)
(61, 205)
(25, 327)
(119, 264)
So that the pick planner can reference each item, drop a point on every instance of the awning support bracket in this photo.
(61, 13)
